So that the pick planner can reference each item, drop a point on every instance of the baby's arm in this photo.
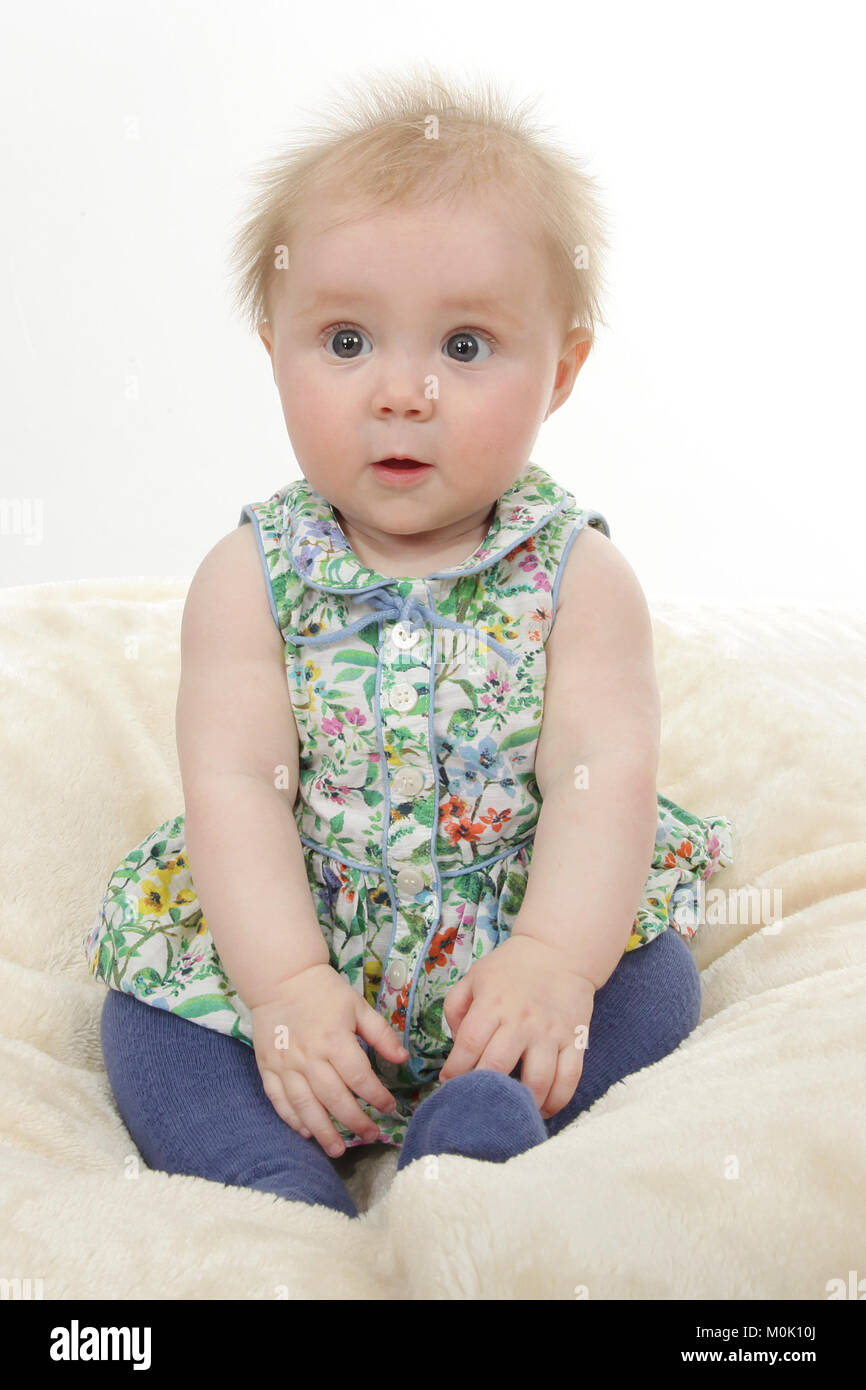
(235, 732)
(594, 843)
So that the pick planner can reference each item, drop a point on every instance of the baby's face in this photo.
(455, 358)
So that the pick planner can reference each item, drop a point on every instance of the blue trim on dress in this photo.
(247, 514)
(422, 954)
(586, 520)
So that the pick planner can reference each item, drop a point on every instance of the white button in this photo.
(403, 637)
(408, 781)
(398, 973)
(410, 881)
(403, 696)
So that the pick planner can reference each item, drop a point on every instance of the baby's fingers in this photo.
(569, 1069)
(353, 1066)
(538, 1071)
(471, 1040)
(324, 1095)
(376, 1031)
(273, 1088)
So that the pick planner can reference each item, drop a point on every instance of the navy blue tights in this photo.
(193, 1101)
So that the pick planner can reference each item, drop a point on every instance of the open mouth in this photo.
(395, 472)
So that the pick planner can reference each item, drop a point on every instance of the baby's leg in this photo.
(193, 1102)
(650, 1003)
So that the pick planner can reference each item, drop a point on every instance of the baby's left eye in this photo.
(347, 338)
(466, 343)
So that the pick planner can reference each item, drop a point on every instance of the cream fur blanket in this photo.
(734, 1168)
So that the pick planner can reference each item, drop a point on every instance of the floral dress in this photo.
(418, 704)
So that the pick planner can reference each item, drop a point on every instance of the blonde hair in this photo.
(371, 144)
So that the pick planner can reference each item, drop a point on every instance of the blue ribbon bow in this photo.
(410, 612)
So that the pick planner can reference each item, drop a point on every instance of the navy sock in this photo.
(481, 1114)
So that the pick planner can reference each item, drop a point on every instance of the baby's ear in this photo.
(266, 336)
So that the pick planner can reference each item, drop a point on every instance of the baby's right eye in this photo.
(347, 338)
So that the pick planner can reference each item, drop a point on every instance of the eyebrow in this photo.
(484, 306)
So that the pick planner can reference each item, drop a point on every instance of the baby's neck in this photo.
(407, 562)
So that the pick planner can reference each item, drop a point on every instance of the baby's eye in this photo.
(347, 343)
(347, 339)
(466, 343)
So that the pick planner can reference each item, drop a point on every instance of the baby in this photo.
(422, 850)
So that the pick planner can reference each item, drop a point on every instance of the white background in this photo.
(718, 423)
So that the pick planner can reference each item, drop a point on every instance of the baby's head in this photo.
(425, 273)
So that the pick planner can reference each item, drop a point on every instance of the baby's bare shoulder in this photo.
(598, 579)
(601, 688)
(228, 597)
(233, 710)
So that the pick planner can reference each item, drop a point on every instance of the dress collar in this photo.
(320, 553)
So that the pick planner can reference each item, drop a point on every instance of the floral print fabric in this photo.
(418, 704)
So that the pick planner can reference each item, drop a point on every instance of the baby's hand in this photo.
(522, 1000)
(310, 1060)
